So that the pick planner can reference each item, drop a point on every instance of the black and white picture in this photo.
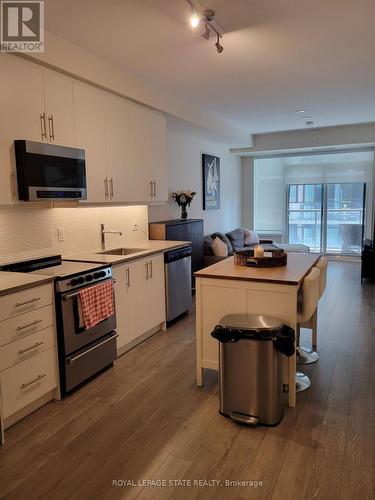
(211, 182)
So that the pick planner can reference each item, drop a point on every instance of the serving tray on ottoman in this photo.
(272, 258)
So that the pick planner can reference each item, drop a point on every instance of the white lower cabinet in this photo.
(140, 299)
(28, 353)
(25, 382)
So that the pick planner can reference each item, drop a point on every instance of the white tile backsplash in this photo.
(30, 232)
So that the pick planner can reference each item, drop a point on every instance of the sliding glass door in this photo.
(305, 215)
(329, 218)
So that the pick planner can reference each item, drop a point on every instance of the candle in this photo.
(258, 251)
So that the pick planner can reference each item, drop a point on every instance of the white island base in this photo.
(226, 288)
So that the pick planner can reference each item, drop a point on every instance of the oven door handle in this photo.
(71, 295)
(72, 359)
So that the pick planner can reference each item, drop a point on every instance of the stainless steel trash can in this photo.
(251, 349)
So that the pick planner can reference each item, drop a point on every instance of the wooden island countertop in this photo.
(298, 266)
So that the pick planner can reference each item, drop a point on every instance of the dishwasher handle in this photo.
(179, 253)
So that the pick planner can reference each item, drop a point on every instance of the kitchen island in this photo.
(226, 288)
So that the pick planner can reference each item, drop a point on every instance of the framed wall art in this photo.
(211, 182)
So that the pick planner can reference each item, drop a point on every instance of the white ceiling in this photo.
(279, 55)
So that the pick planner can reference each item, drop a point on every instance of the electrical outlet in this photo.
(60, 234)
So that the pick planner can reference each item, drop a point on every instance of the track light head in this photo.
(194, 21)
(194, 18)
(207, 32)
(218, 46)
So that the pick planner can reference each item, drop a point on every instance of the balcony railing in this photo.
(343, 230)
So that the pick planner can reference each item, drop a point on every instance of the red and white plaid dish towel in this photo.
(96, 303)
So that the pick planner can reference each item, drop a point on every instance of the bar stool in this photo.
(308, 355)
(322, 266)
(307, 317)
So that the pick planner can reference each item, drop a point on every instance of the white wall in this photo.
(29, 232)
(185, 145)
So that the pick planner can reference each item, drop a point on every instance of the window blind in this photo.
(272, 175)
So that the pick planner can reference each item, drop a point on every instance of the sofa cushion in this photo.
(207, 243)
(251, 237)
(225, 240)
(237, 238)
(219, 248)
(209, 239)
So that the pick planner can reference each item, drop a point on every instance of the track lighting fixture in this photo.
(208, 17)
(207, 32)
(218, 46)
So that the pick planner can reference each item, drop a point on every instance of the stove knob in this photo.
(102, 274)
(96, 275)
(80, 281)
(74, 282)
(89, 277)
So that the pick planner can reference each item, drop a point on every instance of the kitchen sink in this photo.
(122, 251)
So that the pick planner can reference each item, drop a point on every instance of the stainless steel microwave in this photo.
(49, 172)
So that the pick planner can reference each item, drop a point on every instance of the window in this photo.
(332, 222)
(316, 198)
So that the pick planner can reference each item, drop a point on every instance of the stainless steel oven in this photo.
(82, 352)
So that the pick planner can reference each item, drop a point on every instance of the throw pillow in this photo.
(236, 237)
(225, 240)
(219, 248)
(251, 237)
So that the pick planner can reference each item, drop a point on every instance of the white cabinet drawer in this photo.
(26, 348)
(25, 382)
(17, 328)
(24, 301)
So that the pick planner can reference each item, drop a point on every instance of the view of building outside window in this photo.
(327, 217)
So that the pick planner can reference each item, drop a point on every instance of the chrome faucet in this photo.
(103, 232)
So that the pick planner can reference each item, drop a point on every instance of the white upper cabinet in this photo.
(58, 91)
(125, 143)
(21, 116)
(90, 136)
(26, 99)
(136, 156)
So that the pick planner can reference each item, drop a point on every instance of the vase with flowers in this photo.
(183, 200)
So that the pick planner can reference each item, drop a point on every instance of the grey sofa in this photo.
(235, 241)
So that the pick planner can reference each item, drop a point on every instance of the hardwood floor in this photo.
(145, 419)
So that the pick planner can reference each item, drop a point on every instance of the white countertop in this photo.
(12, 282)
(146, 248)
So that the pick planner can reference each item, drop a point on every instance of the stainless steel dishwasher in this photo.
(178, 281)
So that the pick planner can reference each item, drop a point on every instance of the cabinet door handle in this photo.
(26, 384)
(20, 328)
(37, 344)
(127, 277)
(111, 184)
(147, 276)
(106, 188)
(43, 125)
(31, 301)
(152, 189)
(51, 128)
(155, 189)
(151, 269)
